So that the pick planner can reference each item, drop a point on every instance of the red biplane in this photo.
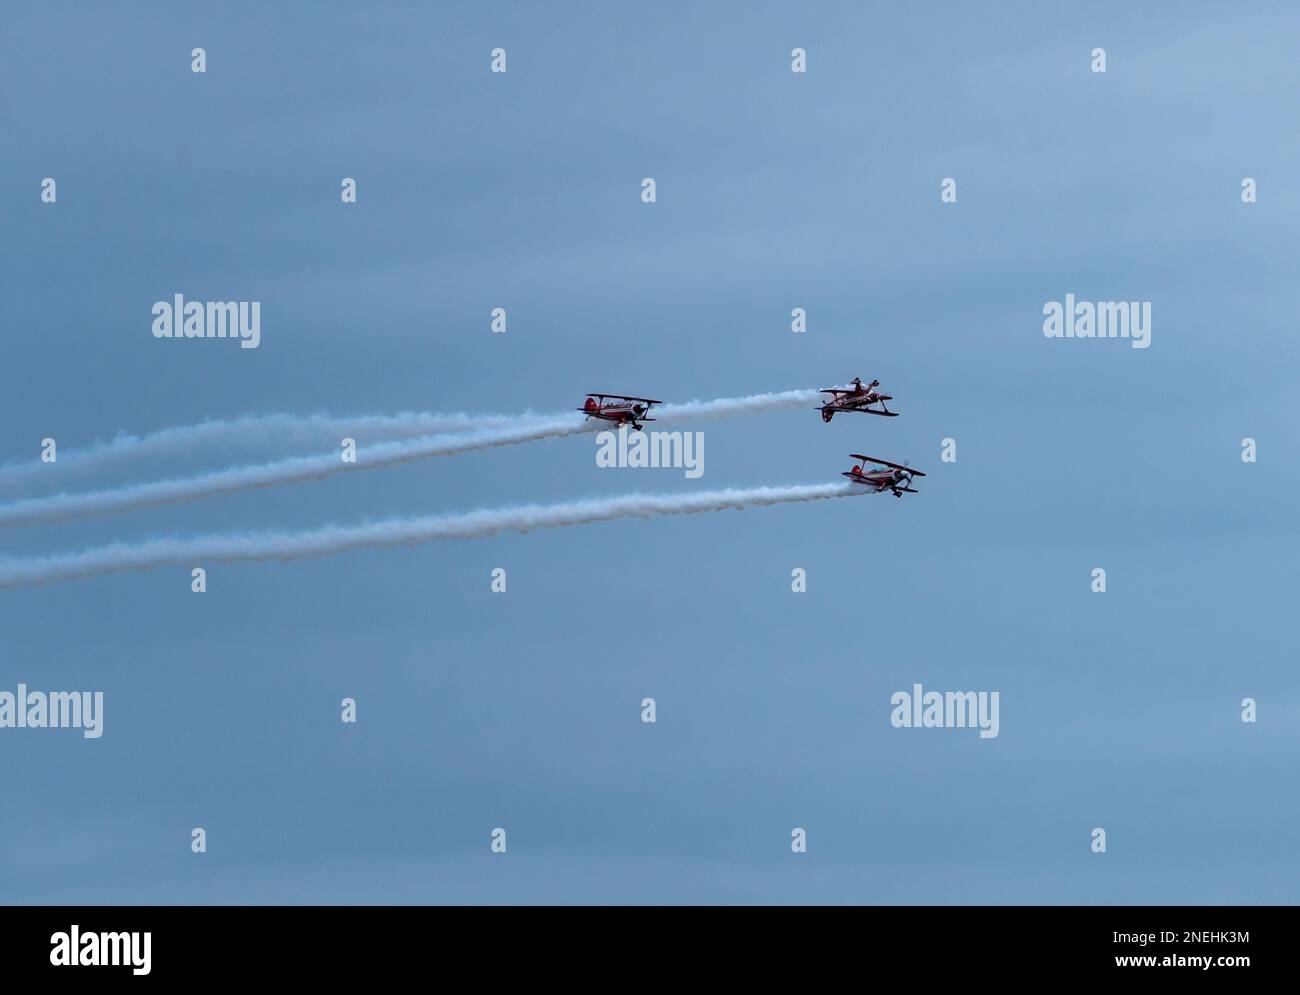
(619, 408)
(891, 476)
(857, 396)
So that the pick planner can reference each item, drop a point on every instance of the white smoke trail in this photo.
(61, 507)
(177, 551)
(288, 430)
(724, 406)
(244, 433)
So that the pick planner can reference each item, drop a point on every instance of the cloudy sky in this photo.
(775, 190)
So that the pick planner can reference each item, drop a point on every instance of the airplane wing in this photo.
(885, 462)
(623, 397)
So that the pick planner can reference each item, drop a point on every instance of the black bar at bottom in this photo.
(168, 945)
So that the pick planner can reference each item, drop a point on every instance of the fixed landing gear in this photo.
(827, 415)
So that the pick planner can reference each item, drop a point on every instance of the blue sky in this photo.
(775, 190)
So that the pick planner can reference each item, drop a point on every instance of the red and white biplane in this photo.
(857, 396)
(619, 408)
(891, 476)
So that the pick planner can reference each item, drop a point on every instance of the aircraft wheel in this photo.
(827, 416)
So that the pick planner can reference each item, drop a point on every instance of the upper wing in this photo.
(885, 462)
(623, 397)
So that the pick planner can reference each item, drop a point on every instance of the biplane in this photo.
(619, 409)
(890, 476)
(857, 396)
